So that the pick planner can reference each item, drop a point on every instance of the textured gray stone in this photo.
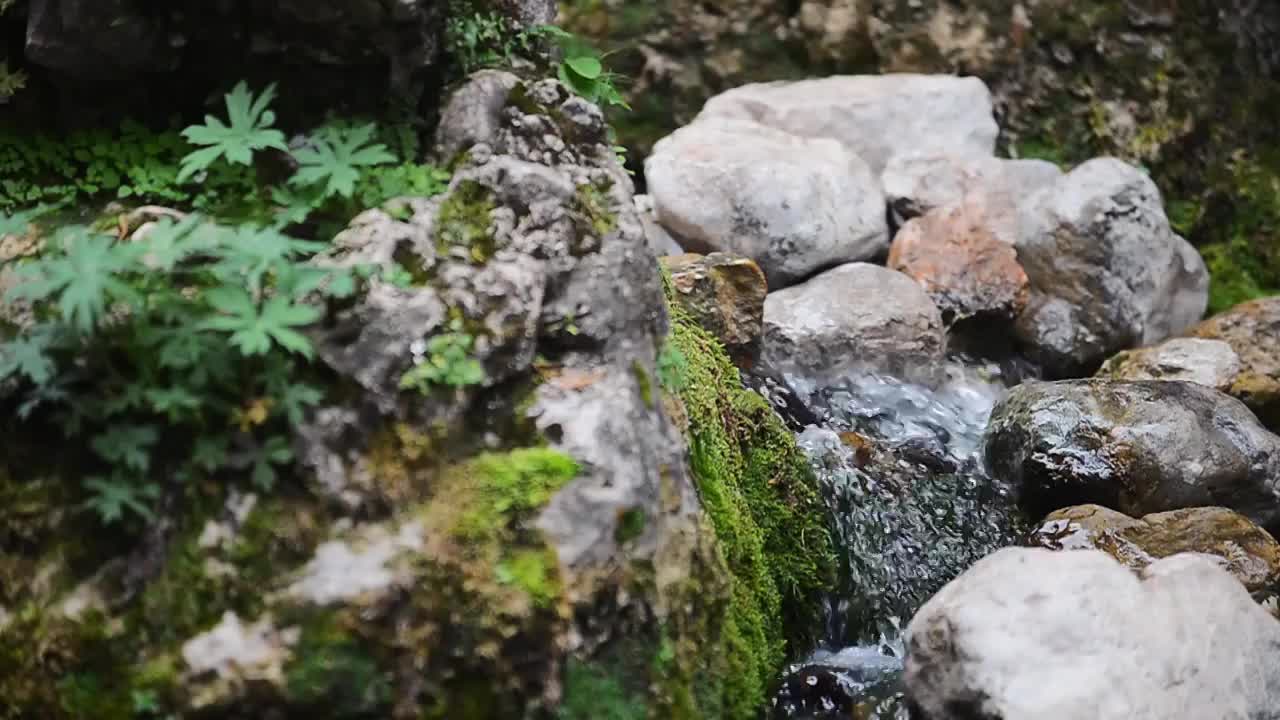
(916, 181)
(875, 116)
(794, 205)
(1107, 272)
(1137, 447)
(1028, 634)
(856, 316)
(1208, 362)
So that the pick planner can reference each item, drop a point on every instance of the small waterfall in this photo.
(900, 465)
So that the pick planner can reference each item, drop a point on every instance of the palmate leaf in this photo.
(110, 498)
(247, 253)
(19, 222)
(250, 130)
(82, 274)
(253, 330)
(126, 446)
(26, 356)
(336, 157)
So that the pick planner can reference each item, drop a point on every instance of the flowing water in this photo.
(900, 465)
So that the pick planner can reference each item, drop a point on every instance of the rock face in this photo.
(1208, 362)
(1252, 330)
(1107, 272)
(875, 116)
(916, 182)
(725, 294)
(856, 316)
(1250, 553)
(1137, 447)
(956, 253)
(1030, 633)
(794, 205)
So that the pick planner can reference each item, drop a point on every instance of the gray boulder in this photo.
(795, 205)
(1137, 447)
(856, 316)
(1028, 634)
(916, 182)
(875, 116)
(1107, 271)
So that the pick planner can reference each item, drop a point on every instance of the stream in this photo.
(900, 464)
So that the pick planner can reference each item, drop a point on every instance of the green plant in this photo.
(250, 130)
(673, 368)
(11, 81)
(335, 158)
(582, 69)
(444, 361)
(170, 356)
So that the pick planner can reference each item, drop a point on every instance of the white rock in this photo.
(792, 204)
(877, 116)
(223, 660)
(853, 317)
(918, 181)
(1207, 362)
(1030, 634)
(344, 571)
(1107, 272)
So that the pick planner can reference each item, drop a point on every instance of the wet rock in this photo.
(916, 182)
(1208, 362)
(1030, 633)
(1137, 447)
(1244, 549)
(795, 205)
(1107, 271)
(956, 254)
(1252, 330)
(854, 316)
(875, 116)
(724, 293)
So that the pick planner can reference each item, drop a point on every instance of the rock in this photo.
(1252, 330)
(232, 656)
(916, 182)
(1246, 550)
(473, 113)
(794, 205)
(1208, 362)
(853, 316)
(656, 236)
(725, 294)
(1137, 447)
(1107, 272)
(1029, 633)
(875, 116)
(956, 254)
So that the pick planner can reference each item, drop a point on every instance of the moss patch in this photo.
(464, 222)
(769, 521)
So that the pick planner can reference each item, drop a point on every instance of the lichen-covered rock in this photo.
(1250, 553)
(1137, 447)
(874, 116)
(1030, 633)
(474, 112)
(1252, 330)
(956, 253)
(856, 316)
(1208, 362)
(1107, 271)
(724, 294)
(792, 204)
(918, 181)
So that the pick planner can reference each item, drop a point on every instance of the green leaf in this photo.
(20, 222)
(26, 355)
(111, 498)
(585, 66)
(253, 331)
(126, 445)
(250, 130)
(334, 159)
(174, 402)
(82, 272)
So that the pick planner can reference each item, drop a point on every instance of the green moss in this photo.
(593, 203)
(503, 488)
(593, 692)
(534, 571)
(332, 674)
(769, 522)
(464, 222)
(642, 380)
(631, 524)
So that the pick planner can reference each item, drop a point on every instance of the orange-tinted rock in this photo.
(957, 254)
